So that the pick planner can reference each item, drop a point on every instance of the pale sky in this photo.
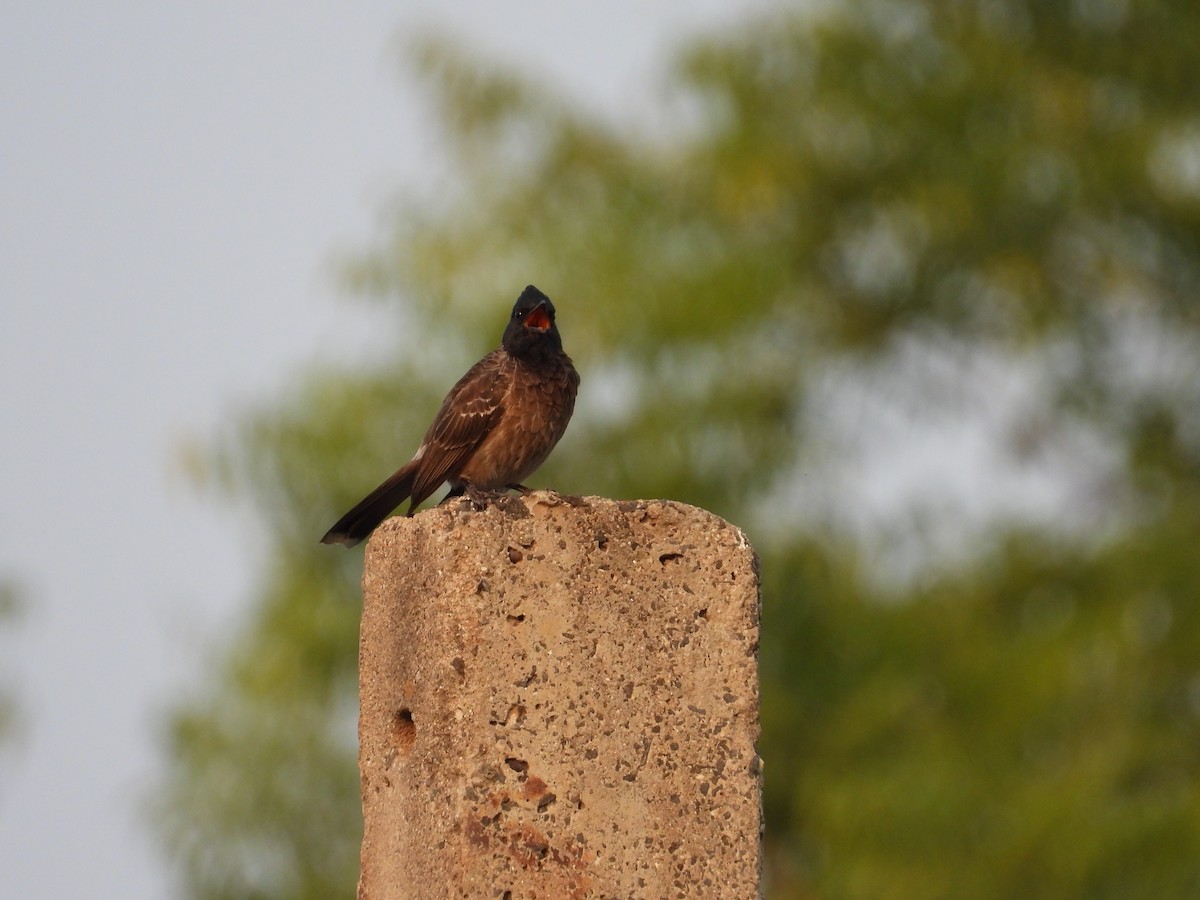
(176, 180)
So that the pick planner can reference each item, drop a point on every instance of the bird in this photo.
(494, 429)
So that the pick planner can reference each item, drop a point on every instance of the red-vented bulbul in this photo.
(495, 427)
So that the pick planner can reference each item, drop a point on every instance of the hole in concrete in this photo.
(517, 765)
(515, 555)
(404, 731)
(665, 558)
(514, 620)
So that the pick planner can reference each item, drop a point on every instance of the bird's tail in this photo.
(373, 508)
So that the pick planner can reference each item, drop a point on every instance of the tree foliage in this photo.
(11, 606)
(826, 190)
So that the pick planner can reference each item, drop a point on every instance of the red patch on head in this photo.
(538, 318)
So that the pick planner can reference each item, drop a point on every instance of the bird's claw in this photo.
(479, 498)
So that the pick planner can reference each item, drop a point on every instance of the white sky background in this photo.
(175, 182)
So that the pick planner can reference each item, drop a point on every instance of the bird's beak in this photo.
(538, 319)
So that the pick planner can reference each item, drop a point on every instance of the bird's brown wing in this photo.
(468, 414)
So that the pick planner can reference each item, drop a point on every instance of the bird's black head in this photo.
(531, 331)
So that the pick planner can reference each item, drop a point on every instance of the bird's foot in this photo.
(480, 498)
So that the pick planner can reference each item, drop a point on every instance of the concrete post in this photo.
(559, 699)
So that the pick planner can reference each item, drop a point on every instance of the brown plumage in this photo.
(493, 430)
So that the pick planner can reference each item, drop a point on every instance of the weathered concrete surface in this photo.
(560, 699)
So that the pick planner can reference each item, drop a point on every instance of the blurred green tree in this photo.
(829, 196)
(10, 607)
